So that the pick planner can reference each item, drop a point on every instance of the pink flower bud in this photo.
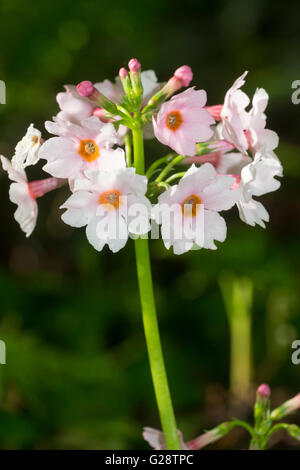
(222, 145)
(215, 111)
(264, 389)
(134, 65)
(174, 84)
(101, 114)
(85, 88)
(293, 404)
(123, 73)
(286, 408)
(235, 185)
(213, 158)
(184, 74)
(210, 436)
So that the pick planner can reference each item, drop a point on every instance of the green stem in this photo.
(157, 163)
(277, 427)
(168, 168)
(237, 295)
(243, 424)
(150, 322)
(128, 150)
(175, 176)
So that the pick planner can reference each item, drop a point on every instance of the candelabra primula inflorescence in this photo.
(228, 150)
(221, 156)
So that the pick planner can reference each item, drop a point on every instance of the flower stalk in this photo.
(150, 322)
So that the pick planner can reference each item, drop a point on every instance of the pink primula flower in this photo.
(80, 148)
(183, 121)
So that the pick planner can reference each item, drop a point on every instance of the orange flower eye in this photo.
(88, 150)
(174, 120)
(111, 198)
(193, 201)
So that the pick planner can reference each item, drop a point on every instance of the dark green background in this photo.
(77, 374)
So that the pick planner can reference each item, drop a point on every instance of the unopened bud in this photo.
(126, 83)
(215, 111)
(184, 74)
(222, 145)
(286, 408)
(123, 72)
(181, 78)
(210, 436)
(236, 184)
(264, 391)
(87, 90)
(102, 114)
(134, 65)
(134, 90)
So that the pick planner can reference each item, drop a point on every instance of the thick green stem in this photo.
(128, 150)
(150, 322)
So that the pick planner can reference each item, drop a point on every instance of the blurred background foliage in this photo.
(77, 375)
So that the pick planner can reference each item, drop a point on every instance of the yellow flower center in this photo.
(110, 198)
(89, 150)
(174, 120)
(194, 201)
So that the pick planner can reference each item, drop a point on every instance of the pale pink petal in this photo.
(253, 212)
(218, 196)
(80, 208)
(13, 174)
(91, 234)
(214, 229)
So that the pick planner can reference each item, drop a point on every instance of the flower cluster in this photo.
(228, 150)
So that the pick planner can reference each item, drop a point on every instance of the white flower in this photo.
(80, 148)
(247, 129)
(26, 151)
(260, 139)
(189, 212)
(20, 194)
(257, 178)
(233, 115)
(112, 205)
